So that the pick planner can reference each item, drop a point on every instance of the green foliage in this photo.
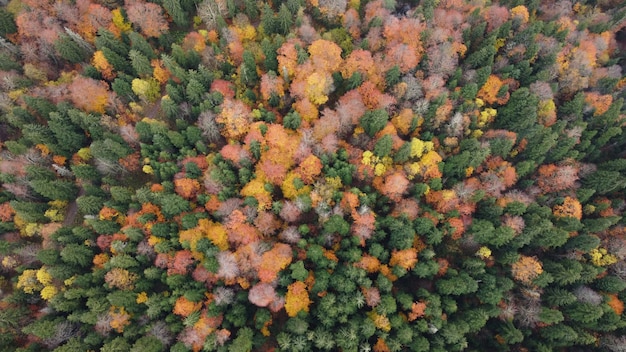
(292, 120)
(374, 121)
(243, 341)
(611, 283)
(140, 63)
(298, 272)
(550, 316)
(146, 344)
(76, 254)
(173, 204)
(392, 76)
(7, 23)
(520, 113)
(55, 189)
(336, 224)
(70, 50)
(89, 205)
(176, 11)
(117, 344)
(116, 60)
(459, 284)
(401, 233)
(383, 146)
(603, 181)
(583, 312)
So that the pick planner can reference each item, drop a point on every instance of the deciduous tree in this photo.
(147, 16)
(89, 94)
(297, 299)
(526, 269)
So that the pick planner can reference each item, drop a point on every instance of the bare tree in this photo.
(210, 11)
(64, 331)
(210, 129)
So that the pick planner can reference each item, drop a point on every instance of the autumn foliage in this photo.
(184, 307)
(297, 299)
(526, 269)
(89, 94)
(319, 175)
(570, 208)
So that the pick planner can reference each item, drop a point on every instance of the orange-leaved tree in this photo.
(417, 310)
(89, 94)
(526, 269)
(600, 103)
(102, 64)
(406, 258)
(393, 186)
(186, 187)
(273, 261)
(185, 307)
(489, 91)
(571, 207)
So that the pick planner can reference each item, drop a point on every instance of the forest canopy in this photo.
(312, 175)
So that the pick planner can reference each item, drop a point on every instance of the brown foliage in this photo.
(381, 346)
(403, 46)
(600, 103)
(239, 231)
(495, 16)
(368, 263)
(38, 25)
(91, 17)
(373, 98)
(309, 168)
(272, 84)
(325, 55)
(6, 212)
(457, 226)
(121, 278)
(130, 162)
(404, 120)
(443, 201)
(267, 223)
(359, 61)
(119, 318)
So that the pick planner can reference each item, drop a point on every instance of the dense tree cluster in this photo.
(323, 175)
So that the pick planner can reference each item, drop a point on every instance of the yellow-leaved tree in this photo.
(297, 299)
